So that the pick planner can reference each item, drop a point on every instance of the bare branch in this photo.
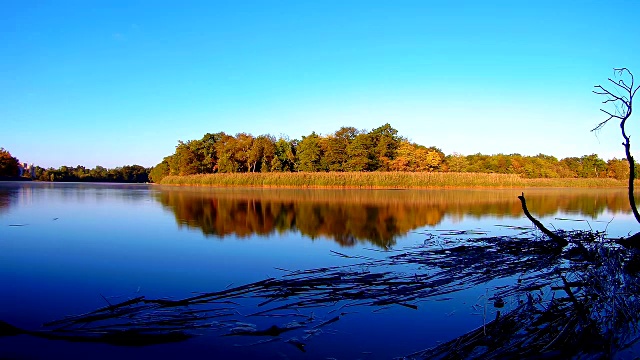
(623, 107)
(613, 96)
(618, 84)
(612, 115)
(603, 123)
(626, 87)
(621, 70)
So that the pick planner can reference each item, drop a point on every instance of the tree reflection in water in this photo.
(5, 200)
(378, 217)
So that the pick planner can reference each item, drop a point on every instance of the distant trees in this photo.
(538, 166)
(8, 164)
(124, 174)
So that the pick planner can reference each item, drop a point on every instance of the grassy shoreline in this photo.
(384, 180)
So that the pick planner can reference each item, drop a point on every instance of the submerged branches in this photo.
(593, 312)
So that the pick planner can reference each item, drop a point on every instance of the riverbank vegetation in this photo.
(348, 156)
(386, 180)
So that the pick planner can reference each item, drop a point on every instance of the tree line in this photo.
(347, 149)
(350, 149)
(10, 169)
(123, 174)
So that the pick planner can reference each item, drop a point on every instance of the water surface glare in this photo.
(64, 248)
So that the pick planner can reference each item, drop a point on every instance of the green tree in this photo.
(242, 149)
(208, 156)
(225, 150)
(184, 161)
(285, 155)
(262, 153)
(335, 149)
(98, 173)
(456, 163)
(309, 153)
(573, 165)
(592, 166)
(385, 143)
(159, 171)
(361, 155)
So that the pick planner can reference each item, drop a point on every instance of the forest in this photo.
(349, 149)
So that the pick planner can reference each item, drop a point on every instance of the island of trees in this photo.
(351, 150)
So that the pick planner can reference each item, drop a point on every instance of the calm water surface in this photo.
(65, 246)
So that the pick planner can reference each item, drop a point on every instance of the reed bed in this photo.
(390, 180)
(577, 302)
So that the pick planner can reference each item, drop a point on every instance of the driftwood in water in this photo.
(559, 241)
(594, 312)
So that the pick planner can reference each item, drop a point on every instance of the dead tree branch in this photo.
(560, 241)
(623, 103)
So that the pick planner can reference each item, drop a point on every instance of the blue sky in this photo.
(113, 83)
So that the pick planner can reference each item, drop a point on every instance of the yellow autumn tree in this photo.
(414, 157)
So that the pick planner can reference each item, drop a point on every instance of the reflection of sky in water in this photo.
(116, 240)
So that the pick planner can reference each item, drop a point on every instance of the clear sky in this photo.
(116, 83)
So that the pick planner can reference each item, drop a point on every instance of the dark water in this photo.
(63, 247)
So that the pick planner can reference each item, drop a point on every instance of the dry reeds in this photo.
(390, 180)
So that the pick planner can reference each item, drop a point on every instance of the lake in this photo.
(71, 248)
